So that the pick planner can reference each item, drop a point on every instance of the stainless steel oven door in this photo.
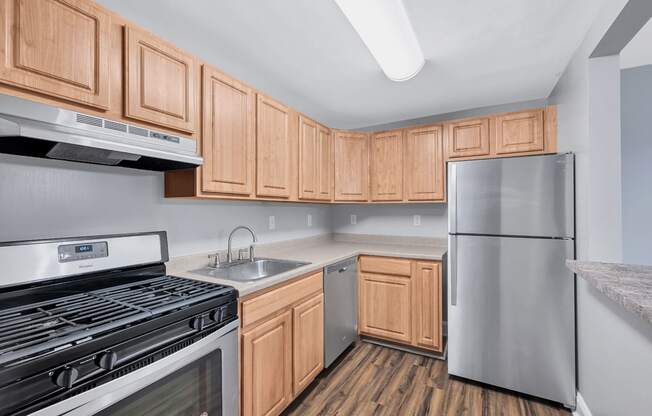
(199, 380)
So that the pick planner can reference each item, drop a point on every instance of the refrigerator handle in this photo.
(452, 268)
(452, 197)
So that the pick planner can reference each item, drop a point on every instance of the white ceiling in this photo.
(639, 50)
(306, 53)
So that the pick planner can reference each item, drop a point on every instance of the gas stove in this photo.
(62, 336)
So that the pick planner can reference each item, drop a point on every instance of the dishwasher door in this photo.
(340, 308)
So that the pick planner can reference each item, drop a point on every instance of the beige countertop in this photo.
(319, 251)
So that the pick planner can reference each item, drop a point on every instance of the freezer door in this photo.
(520, 196)
(511, 315)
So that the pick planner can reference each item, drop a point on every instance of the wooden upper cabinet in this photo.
(274, 148)
(424, 164)
(58, 48)
(468, 138)
(351, 156)
(315, 161)
(387, 166)
(308, 350)
(267, 367)
(427, 305)
(520, 132)
(159, 82)
(228, 134)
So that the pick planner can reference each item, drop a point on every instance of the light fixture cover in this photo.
(385, 28)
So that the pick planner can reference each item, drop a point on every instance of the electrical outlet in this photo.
(416, 220)
(272, 222)
(354, 219)
(309, 220)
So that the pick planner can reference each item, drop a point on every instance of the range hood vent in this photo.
(33, 129)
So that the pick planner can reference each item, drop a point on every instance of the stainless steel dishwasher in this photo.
(340, 308)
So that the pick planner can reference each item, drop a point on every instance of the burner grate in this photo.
(37, 329)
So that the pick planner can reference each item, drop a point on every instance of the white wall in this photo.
(392, 220)
(614, 346)
(42, 198)
(636, 99)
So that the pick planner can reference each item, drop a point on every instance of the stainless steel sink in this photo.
(245, 271)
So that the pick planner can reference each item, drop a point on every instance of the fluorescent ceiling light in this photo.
(385, 28)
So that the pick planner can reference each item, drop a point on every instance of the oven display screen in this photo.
(86, 248)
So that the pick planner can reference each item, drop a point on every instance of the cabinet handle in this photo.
(343, 269)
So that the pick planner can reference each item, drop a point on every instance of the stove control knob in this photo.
(215, 315)
(66, 377)
(197, 323)
(107, 360)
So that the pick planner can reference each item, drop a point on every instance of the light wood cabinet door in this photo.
(267, 367)
(385, 306)
(427, 305)
(468, 138)
(228, 134)
(315, 161)
(424, 164)
(274, 148)
(520, 132)
(351, 156)
(58, 48)
(387, 166)
(159, 82)
(308, 321)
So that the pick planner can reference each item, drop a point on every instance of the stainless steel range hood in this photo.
(28, 128)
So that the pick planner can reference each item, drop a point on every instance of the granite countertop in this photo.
(628, 285)
(319, 251)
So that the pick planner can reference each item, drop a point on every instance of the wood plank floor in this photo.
(375, 380)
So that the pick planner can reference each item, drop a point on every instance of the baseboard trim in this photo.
(582, 408)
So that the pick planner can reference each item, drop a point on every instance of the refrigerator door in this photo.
(520, 196)
(511, 314)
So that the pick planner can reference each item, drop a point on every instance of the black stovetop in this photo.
(40, 319)
(47, 325)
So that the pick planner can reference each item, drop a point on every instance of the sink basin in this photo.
(246, 271)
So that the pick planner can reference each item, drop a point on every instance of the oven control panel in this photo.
(85, 251)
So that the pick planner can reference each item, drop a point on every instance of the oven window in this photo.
(194, 390)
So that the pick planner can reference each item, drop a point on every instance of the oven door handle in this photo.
(106, 395)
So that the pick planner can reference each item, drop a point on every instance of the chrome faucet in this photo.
(229, 255)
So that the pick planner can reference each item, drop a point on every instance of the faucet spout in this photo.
(229, 255)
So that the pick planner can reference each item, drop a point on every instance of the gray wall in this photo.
(614, 347)
(392, 220)
(481, 111)
(43, 198)
(636, 101)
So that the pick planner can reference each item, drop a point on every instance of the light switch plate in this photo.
(354, 219)
(309, 220)
(416, 220)
(272, 222)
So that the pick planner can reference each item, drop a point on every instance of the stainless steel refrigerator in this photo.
(511, 299)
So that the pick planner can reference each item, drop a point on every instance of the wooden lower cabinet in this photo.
(385, 306)
(267, 367)
(427, 305)
(308, 348)
(401, 304)
(282, 344)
